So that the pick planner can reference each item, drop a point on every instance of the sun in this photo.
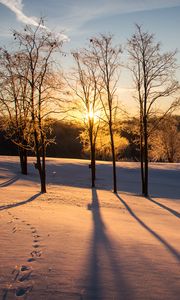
(91, 114)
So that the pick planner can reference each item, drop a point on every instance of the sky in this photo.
(81, 19)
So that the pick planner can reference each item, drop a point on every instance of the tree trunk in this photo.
(93, 153)
(43, 170)
(113, 160)
(41, 167)
(145, 158)
(93, 165)
(142, 158)
(23, 160)
(43, 179)
(42, 173)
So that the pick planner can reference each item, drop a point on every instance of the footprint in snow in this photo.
(36, 241)
(31, 259)
(24, 268)
(36, 246)
(25, 277)
(36, 253)
(36, 236)
(22, 291)
(17, 270)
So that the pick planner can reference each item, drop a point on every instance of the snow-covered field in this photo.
(78, 243)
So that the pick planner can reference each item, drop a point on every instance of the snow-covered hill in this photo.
(78, 243)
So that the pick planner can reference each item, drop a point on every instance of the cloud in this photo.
(74, 15)
(16, 6)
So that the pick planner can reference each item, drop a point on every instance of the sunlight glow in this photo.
(91, 114)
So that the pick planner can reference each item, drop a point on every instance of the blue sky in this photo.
(80, 19)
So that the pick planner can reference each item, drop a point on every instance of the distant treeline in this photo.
(68, 141)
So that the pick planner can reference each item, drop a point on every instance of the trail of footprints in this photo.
(22, 279)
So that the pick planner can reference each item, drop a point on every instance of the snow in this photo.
(80, 243)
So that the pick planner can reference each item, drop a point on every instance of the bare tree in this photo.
(107, 57)
(14, 102)
(153, 75)
(85, 85)
(38, 46)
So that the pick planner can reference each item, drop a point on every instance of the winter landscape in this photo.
(75, 242)
(89, 150)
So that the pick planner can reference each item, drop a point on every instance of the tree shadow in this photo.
(8, 206)
(77, 174)
(172, 211)
(171, 249)
(105, 280)
(9, 182)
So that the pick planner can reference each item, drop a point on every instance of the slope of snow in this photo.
(80, 243)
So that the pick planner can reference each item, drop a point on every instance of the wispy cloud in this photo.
(16, 6)
(74, 15)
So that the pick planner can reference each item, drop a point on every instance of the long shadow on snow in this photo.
(9, 181)
(103, 261)
(8, 206)
(13, 166)
(172, 211)
(162, 183)
(172, 250)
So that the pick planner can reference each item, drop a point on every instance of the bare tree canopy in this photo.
(32, 89)
(86, 87)
(107, 57)
(154, 78)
